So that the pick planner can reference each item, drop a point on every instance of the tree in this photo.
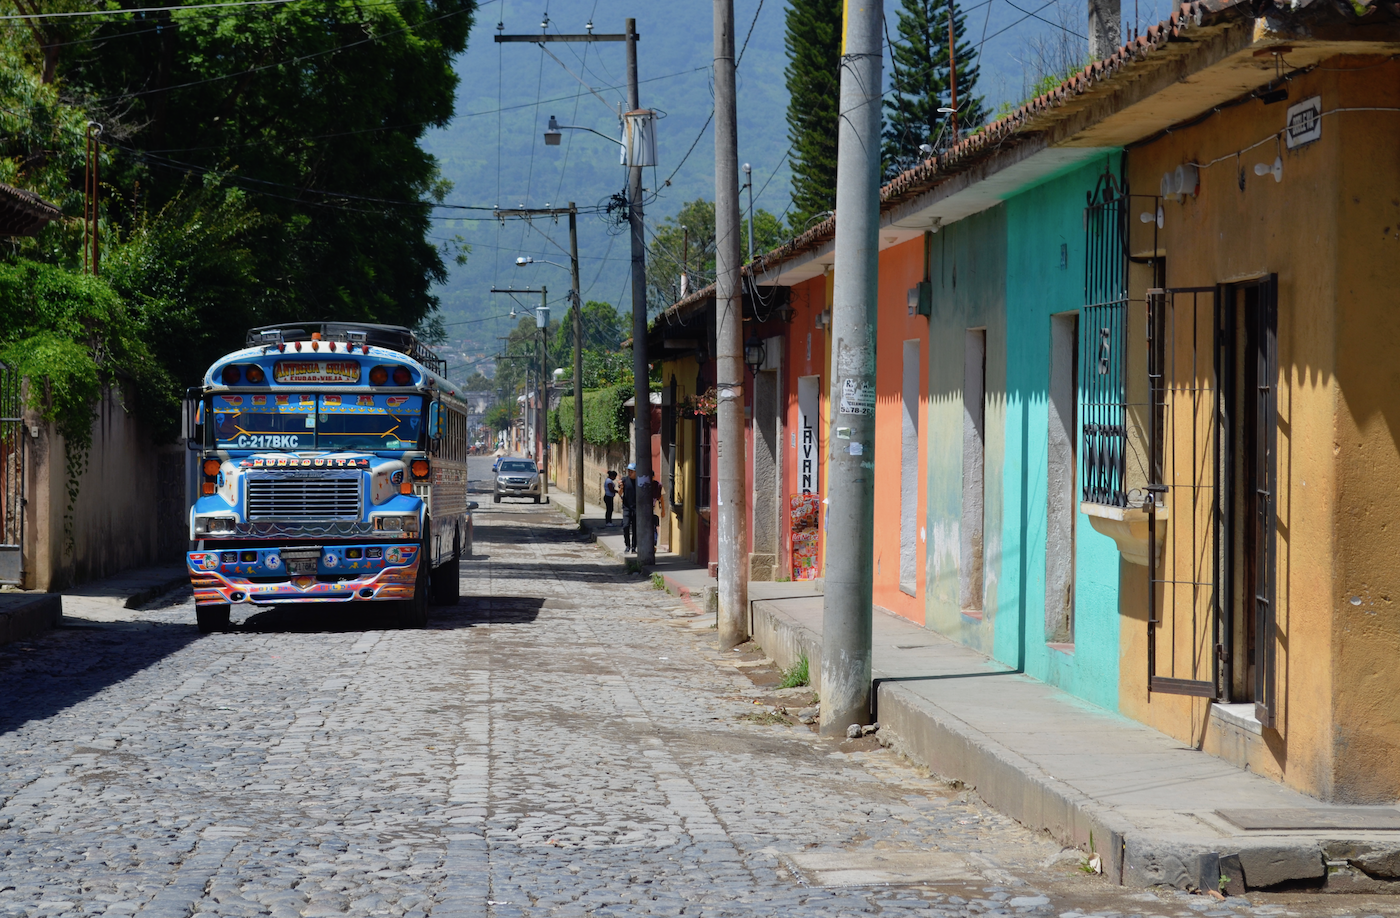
(668, 249)
(813, 75)
(479, 382)
(314, 112)
(920, 75)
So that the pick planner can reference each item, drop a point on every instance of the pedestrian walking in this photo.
(629, 508)
(609, 494)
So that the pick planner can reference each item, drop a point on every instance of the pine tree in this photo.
(921, 83)
(813, 80)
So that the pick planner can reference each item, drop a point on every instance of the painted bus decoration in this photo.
(332, 469)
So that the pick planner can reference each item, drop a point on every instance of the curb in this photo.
(155, 590)
(707, 603)
(1132, 855)
(29, 615)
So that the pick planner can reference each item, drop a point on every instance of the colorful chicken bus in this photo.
(332, 468)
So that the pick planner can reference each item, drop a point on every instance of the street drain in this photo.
(831, 868)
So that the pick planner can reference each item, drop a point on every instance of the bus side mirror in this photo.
(434, 422)
(193, 431)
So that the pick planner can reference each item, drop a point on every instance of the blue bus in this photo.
(332, 468)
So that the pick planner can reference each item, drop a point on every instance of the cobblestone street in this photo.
(566, 741)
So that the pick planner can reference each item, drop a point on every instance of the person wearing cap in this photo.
(629, 508)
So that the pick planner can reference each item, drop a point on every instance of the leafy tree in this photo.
(668, 249)
(479, 382)
(813, 75)
(921, 77)
(314, 111)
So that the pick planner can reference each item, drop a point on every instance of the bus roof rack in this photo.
(394, 337)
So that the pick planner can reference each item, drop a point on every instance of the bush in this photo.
(604, 418)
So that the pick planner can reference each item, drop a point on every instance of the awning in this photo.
(23, 213)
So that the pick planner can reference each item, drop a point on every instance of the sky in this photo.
(494, 154)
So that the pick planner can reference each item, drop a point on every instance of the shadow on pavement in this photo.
(42, 677)
(471, 611)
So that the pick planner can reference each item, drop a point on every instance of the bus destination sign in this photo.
(316, 371)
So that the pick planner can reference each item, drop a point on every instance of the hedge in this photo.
(604, 418)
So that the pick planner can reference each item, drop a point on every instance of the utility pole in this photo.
(733, 486)
(578, 362)
(542, 408)
(952, 73)
(642, 390)
(641, 370)
(576, 297)
(846, 604)
(748, 183)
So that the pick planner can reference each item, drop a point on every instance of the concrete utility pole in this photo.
(542, 409)
(846, 605)
(578, 362)
(729, 302)
(641, 371)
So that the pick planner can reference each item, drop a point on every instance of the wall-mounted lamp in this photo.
(824, 319)
(1276, 170)
(754, 351)
(1148, 216)
(1183, 180)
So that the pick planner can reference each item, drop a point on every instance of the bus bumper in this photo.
(216, 581)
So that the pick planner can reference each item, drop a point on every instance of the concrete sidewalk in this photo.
(26, 614)
(1155, 811)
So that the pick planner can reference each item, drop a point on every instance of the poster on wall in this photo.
(805, 528)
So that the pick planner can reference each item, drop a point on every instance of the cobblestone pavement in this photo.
(566, 741)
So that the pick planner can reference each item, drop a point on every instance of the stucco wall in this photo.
(901, 267)
(806, 356)
(117, 520)
(1329, 231)
(1365, 629)
(1039, 284)
(967, 267)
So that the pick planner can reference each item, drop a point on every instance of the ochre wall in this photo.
(901, 267)
(1365, 629)
(1330, 230)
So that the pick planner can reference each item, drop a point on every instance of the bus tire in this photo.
(212, 618)
(413, 613)
(447, 584)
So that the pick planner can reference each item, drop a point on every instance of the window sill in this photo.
(1238, 715)
(1127, 527)
(1067, 649)
(909, 589)
(973, 614)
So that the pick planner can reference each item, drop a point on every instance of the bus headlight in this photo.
(213, 525)
(408, 525)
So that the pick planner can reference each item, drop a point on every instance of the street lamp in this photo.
(577, 310)
(754, 352)
(553, 133)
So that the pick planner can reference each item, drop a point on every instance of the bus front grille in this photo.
(304, 499)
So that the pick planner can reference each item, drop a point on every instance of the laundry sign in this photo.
(1304, 123)
(808, 407)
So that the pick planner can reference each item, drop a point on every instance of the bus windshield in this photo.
(324, 422)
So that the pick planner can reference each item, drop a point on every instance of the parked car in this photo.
(517, 478)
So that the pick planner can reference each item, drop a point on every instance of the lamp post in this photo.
(578, 350)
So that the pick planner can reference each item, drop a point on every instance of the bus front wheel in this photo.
(212, 618)
(413, 613)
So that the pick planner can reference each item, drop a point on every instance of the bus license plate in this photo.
(301, 568)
